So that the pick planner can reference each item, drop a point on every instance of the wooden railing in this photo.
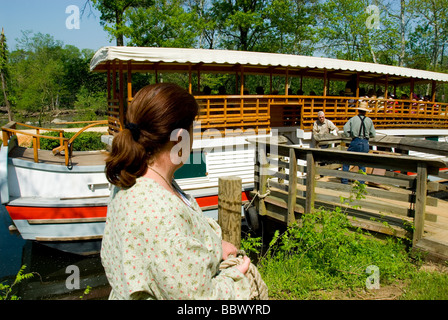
(10, 129)
(65, 144)
(234, 112)
(286, 187)
(266, 111)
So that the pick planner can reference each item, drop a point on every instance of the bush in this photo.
(324, 252)
(87, 141)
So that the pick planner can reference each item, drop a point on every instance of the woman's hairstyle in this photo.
(154, 113)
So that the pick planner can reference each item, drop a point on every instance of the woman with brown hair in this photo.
(157, 244)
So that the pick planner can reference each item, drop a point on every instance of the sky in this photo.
(50, 17)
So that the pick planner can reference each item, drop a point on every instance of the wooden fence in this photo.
(288, 184)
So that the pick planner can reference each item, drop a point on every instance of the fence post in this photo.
(229, 209)
(292, 188)
(420, 202)
(310, 182)
(263, 166)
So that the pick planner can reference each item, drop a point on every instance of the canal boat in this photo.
(61, 196)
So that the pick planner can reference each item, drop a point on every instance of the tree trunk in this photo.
(8, 106)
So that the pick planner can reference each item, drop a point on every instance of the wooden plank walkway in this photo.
(394, 202)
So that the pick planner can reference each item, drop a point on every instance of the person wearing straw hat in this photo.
(360, 128)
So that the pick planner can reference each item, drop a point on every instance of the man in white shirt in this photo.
(322, 126)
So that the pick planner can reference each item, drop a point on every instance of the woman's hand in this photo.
(245, 265)
(228, 249)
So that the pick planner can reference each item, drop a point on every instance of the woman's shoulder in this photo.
(145, 192)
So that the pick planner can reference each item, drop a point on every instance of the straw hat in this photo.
(363, 106)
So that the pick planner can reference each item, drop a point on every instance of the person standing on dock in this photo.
(322, 126)
(157, 243)
(360, 128)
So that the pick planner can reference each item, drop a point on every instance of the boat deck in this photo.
(79, 158)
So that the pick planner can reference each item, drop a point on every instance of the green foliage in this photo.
(46, 76)
(164, 24)
(427, 286)
(251, 245)
(323, 252)
(86, 292)
(86, 141)
(6, 290)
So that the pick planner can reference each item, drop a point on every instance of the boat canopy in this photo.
(207, 60)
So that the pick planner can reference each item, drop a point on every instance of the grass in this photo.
(324, 257)
(425, 285)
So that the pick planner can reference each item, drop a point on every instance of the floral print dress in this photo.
(157, 247)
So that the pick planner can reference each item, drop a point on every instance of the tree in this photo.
(47, 76)
(3, 72)
(113, 15)
(402, 16)
(205, 22)
(431, 33)
(38, 73)
(241, 22)
(292, 26)
(167, 23)
(346, 32)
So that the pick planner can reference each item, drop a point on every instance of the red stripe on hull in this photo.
(57, 213)
(213, 200)
(54, 213)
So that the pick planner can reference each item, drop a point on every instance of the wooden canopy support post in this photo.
(130, 94)
(121, 94)
(156, 72)
(325, 83)
(420, 202)
(411, 95)
(114, 81)
(357, 84)
(108, 81)
(199, 80)
(242, 80)
(386, 87)
(190, 86)
(433, 90)
(310, 182)
(229, 209)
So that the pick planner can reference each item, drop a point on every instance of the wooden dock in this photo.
(400, 201)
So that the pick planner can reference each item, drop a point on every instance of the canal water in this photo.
(58, 274)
